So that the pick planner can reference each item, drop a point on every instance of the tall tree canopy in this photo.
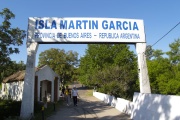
(63, 63)
(174, 53)
(110, 67)
(164, 71)
(11, 68)
(10, 38)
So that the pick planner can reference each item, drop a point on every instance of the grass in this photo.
(89, 93)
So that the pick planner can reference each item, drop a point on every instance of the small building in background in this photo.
(46, 85)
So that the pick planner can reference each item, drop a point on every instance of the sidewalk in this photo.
(89, 108)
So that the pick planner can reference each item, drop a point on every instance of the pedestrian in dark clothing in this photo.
(74, 95)
(62, 92)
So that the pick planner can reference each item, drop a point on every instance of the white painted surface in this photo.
(119, 103)
(14, 90)
(27, 105)
(82, 29)
(142, 68)
(155, 107)
(46, 73)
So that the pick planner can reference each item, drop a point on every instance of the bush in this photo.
(9, 108)
(117, 90)
(38, 106)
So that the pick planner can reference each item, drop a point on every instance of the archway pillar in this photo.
(27, 105)
(142, 68)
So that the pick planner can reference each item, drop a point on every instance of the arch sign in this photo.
(81, 30)
(85, 30)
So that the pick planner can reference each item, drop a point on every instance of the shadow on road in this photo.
(89, 108)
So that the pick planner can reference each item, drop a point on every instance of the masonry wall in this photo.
(155, 107)
(145, 106)
(119, 103)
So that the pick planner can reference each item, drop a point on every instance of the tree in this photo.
(63, 63)
(10, 38)
(12, 68)
(107, 66)
(149, 52)
(174, 53)
(164, 73)
(156, 68)
(157, 54)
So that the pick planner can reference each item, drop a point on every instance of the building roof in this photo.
(19, 76)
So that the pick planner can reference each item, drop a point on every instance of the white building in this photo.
(46, 85)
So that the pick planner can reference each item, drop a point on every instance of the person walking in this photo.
(67, 96)
(62, 92)
(74, 95)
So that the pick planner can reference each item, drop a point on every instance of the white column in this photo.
(27, 105)
(142, 68)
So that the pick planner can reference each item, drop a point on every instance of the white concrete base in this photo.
(155, 107)
(120, 104)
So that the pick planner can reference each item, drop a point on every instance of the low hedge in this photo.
(9, 108)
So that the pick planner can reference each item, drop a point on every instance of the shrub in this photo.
(9, 108)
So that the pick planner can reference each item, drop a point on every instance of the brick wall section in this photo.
(36, 89)
(55, 89)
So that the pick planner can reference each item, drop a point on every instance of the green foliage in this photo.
(106, 66)
(149, 52)
(10, 38)
(63, 63)
(164, 73)
(12, 68)
(9, 108)
(174, 53)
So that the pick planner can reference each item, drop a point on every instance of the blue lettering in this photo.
(36, 27)
(111, 25)
(71, 25)
(94, 24)
(78, 24)
(118, 25)
(135, 26)
(59, 35)
(89, 24)
(129, 25)
(84, 22)
(125, 25)
(63, 24)
(53, 24)
(46, 25)
(104, 24)
(41, 24)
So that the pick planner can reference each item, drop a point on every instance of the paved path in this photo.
(89, 108)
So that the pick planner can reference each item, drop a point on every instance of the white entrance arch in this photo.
(81, 30)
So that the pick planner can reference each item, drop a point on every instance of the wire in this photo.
(166, 34)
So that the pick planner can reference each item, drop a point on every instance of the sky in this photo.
(159, 17)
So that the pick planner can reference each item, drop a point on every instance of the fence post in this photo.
(42, 112)
(54, 106)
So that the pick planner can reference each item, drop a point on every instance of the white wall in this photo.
(46, 73)
(119, 103)
(155, 107)
(14, 90)
(146, 106)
